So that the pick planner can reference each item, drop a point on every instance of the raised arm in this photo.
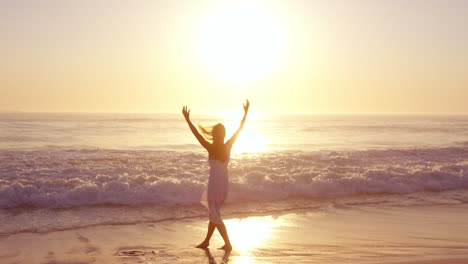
(233, 139)
(200, 138)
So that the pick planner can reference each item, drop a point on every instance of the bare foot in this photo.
(226, 247)
(203, 245)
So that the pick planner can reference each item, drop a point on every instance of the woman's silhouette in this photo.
(218, 159)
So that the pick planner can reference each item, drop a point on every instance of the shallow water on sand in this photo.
(45, 220)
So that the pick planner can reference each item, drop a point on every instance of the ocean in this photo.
(61, 171)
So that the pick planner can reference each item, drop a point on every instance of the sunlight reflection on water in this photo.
(250, 233)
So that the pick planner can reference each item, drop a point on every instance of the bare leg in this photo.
(206, 242)
(222, 230)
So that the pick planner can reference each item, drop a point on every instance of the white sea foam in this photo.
(58, 178)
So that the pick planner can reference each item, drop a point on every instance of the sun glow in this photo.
(241, 41)
(250, 139)
(235, 115)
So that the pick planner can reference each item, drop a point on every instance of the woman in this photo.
(218, 159)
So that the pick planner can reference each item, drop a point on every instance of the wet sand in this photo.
(404, 235)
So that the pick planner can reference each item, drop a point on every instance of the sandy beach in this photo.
(417, 234)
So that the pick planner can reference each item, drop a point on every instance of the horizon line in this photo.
(211, 113)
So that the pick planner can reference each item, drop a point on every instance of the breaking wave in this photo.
(59, 178)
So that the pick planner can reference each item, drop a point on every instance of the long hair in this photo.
(213, 133)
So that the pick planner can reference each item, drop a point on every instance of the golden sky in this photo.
(293, 56)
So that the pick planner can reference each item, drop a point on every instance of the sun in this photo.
(241, 41)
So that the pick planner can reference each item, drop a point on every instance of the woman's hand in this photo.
(246, 105)
(186, 112)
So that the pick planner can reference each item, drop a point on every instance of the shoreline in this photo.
(430, 234)
(18, 220)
